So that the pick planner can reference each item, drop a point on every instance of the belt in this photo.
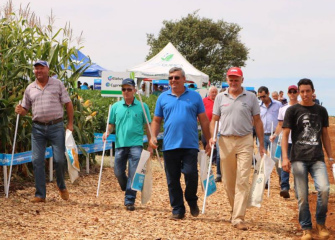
(268, 134)
(49, 123)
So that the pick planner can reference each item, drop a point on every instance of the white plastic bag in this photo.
(71, 153)
(147, 185)
(138, 179)
(203, 163)
(258, 185)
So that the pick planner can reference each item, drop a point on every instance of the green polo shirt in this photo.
(128, 121)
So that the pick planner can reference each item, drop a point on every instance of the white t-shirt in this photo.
(281, 115)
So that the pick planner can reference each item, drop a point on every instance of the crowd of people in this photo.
(303, 125)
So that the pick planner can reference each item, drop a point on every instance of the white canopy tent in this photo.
(158, 66)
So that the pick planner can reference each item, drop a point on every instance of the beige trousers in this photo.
(235, 163)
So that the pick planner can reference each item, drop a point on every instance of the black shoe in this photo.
(218, 179)
(130, 207)
(177, 216)
(195, 211)
(284, 194)
(266, 186)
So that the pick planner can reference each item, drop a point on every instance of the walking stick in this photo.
(12, 158)
(146, 118)
(209, 168)
(271, 158)
(103, 151)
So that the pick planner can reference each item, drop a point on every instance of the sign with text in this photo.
(111, 83)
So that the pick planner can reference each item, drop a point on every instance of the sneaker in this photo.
(130, 207)
(64, 194)
(218, 179)
(307, 235)
(241, 226)
(177, 216)
(284, 194)
(195, 211)
(323, 231)
(37, 200)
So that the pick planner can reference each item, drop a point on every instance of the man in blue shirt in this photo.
(180, 108)
(269, 115)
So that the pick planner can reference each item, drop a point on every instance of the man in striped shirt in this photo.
(46, 96)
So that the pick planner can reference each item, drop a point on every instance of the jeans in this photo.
(318, 171)
(123, 155)
(285, 176)
(55, 134)
(177, 161)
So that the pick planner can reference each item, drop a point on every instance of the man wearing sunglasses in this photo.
(128, 119)
(269, 115)
(180, 108)
(285, 176)
(237, 110)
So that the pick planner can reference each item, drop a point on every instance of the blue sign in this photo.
(97, 84)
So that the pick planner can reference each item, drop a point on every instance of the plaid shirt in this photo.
(47, 103)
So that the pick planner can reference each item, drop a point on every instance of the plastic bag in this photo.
(138, 179)
(147, 185)
(258, 185)
(203, 162)
(71, 153)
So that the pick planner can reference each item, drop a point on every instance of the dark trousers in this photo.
(177, 161)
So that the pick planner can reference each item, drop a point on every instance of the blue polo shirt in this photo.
(180, 118)
(269, 115)
(128, 121)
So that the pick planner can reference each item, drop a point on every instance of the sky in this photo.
(288, 40)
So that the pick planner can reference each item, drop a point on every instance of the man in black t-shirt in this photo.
(308, 123)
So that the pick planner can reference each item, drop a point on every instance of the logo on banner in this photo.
(110, 78)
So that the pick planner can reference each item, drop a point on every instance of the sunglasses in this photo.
(293, 91)
(175, 77)
(260, 97)
(127, 89)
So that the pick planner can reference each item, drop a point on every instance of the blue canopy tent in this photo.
(94, 70)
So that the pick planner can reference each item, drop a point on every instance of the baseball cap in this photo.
(235, 71)
(128, 81)
(293, 87)
(41, 62)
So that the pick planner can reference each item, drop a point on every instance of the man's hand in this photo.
(262, 150)
(211, 142)
(104, 137)
(286, 165)
(20, 110)
(150, 150)
(153, 142)
(272, 137)
(70, 127)
(208, 150)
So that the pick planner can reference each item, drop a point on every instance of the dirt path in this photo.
(86, 217)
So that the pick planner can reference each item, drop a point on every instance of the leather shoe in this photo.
(64, 194)
(284, 194)
(177, 216)
(37, 200)
(241, 226)
(218, 179)
(195, 211)
(130, 207)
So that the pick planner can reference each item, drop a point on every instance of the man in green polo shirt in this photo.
(128, 120)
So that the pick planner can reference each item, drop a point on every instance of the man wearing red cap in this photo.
(238, 110)
(285, 176)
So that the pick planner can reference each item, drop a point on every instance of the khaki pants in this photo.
(235, 162)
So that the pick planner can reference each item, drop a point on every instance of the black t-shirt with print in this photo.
(306, 123)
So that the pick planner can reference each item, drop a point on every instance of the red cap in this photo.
(293, 87)
(235, 71)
